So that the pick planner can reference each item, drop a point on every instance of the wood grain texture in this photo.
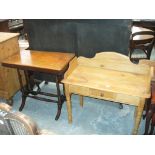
(68, 103)
(110, 76)
(6, 36)
(39, 60)
(4, 26)
(113, 61)
(138, 115)
(72, 65)
(9, 83)
(150, 63)
(9, 48)
(111, 72)
(106, 95)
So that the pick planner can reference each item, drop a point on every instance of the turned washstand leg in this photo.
(68, 103)
(138, 115)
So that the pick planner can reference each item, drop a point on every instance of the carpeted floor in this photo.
(96, 117)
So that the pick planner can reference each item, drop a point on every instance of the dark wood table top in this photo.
(43, 61)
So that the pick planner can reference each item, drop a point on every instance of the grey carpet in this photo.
(96, 117)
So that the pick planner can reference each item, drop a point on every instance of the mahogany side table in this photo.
(53, 63)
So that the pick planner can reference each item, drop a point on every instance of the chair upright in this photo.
(141, 44)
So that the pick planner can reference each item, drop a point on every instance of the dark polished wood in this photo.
(150, 112)
(53, 63)
(4, 26)
(141, 44)
(150, 24)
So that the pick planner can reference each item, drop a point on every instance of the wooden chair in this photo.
(16, 123)
(141, 44)
(150, 113)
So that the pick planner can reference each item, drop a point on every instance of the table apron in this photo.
(106, 95)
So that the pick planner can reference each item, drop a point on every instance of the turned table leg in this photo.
(24, 96)
(60, 101)
(24, 93)
(138, 115)
(68, 103)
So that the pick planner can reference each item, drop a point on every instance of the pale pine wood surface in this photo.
(9, 46)
(6, 36)
(150, 63)
(39, 60)
(111, 72)
(114, 61)
(109, 80)
(110, 76)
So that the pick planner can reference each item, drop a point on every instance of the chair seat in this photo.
(143, 37)
(141, 44)
(139, 29)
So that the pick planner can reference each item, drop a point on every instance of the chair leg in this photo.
(148, 118)
(146, 107)
(152, 125)
(152, 129)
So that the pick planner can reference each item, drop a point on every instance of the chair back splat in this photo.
(141, 44)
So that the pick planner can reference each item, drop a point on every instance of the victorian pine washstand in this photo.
(109, 76)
